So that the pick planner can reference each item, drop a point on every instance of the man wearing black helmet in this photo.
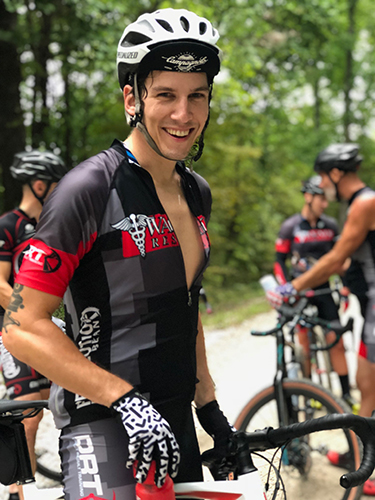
(127, 232)
(338, 166)
(303, 239)
(39, 172)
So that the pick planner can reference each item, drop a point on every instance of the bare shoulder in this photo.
(362, 211)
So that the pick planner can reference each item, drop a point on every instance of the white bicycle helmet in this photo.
(168, 40)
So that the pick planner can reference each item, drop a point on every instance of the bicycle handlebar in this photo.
(295, 314)
(269, 438)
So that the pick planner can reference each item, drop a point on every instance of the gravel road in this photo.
(240, 365)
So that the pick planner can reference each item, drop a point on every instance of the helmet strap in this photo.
(43, 197)
(338, 197)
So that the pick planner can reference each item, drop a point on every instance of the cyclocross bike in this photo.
(235, 474)
(48, 468)
(304, 464)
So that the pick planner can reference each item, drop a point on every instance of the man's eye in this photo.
(198, 95)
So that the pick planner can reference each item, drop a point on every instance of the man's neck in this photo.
(161, 169)
(308, 214)
(31, 206)
(349, 185)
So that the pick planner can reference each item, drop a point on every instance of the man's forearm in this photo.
(53, 354)
(318, 274)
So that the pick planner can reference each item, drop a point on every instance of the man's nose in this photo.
(182, 110)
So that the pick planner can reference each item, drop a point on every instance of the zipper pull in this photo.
(189, 298)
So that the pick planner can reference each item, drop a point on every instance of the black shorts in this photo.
(327, 307)
(94, 455)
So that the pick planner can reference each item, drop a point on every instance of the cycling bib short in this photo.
(94, 456)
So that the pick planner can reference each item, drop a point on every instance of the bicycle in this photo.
(289, 401)
(236, 464)
(46, 466)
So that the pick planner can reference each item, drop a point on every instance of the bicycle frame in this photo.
(246, 487)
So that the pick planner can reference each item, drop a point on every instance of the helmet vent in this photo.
(202, 28)
(165, 25)
(185, 24)
(133, 38)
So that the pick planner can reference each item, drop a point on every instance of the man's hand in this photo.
(344, 297)
(150, 438)
(277, 296)
(214, 422)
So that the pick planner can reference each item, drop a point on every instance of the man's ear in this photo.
(39, 187)
(129, 100)
(336, 174)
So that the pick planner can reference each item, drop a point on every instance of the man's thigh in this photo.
(93, 461)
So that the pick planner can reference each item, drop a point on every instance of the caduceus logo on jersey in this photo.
(135, 225)
(142, 234)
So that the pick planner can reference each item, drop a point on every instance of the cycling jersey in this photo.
(105, 241)
(303, 244)
(365, 256)
(16, 228)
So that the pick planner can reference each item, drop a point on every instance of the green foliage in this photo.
(297, 75)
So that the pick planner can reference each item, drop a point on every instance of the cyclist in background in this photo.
(39, 172)
(126, 241)
(303, 239)
(338, 166)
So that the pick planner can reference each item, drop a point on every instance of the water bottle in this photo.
(149, 491)
(268, 282)
(293, 369)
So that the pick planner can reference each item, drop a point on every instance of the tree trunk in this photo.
(12, 131)
(349, 77)
(42, 54)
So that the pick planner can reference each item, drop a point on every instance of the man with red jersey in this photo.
(39, 172)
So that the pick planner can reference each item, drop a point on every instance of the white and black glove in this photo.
(215, 423)
(150, 438)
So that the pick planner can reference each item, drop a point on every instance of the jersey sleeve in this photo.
(6, 238)
(282, 249)
(67, 229)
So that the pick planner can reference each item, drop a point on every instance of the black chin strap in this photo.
(338, 197)
(40, 198)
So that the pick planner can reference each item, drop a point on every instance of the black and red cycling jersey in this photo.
(302, 244)
(106, 244)
(16, 228)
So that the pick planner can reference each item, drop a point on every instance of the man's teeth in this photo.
(178, 133)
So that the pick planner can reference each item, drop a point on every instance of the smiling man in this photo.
(127, 232)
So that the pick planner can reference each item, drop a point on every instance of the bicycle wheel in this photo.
(308, 474)
(54, 475)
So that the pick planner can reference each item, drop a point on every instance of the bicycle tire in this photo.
(261, 412)
(49, 473)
